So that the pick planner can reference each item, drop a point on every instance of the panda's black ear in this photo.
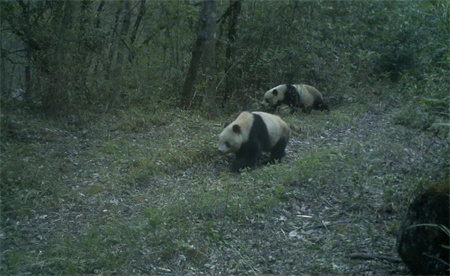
(226, 124)
(275, 92)
(237, 129)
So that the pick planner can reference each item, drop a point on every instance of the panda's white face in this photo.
(274, 96)
(229, 141)
(236, 133)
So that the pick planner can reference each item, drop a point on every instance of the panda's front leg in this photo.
(243, 163)
(247, 157)
(239, 165)
(274, 109)
(241, 160)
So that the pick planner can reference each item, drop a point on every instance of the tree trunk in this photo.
(97, 16)
(84, 17)
(28, 49)
(206, 32)
(55, 98)
(114, 39)
(85, 21)
(186, 96)
(235, 10)
(209, 99)
(141, 14)
(123, 34)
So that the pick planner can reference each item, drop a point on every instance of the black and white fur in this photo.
(295, 96)
(251, 134)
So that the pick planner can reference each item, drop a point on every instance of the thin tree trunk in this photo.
(95, 63)
(141, 14)
(235, 10)
(114, 40)
(99, 10)
(209, 99)
(55, 99)
(123, 34)
(85, 10)
(208, 17)
(84, 18)
(28, 49)
(186, 96)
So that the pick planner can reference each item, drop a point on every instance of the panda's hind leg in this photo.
(320, 105)
(323, 107)
(278, 150)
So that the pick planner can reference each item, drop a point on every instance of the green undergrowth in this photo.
(147, 192)
(200, 219)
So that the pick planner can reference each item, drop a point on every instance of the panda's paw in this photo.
(237, 168)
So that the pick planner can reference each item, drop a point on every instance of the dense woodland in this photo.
(63, 55)
(110, 112)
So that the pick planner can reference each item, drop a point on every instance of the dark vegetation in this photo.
(110, 166)
(425, 230)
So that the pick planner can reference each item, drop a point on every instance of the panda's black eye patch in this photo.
(267, 100)
(227, 144)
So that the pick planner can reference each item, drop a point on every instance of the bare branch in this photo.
(362, 256)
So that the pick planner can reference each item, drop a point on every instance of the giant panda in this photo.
(252, 133)
(295, 96)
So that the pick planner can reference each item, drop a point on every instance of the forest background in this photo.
(110, 111)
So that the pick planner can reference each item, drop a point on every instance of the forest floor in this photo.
(146, 192)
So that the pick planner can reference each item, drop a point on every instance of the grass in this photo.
(147, 193)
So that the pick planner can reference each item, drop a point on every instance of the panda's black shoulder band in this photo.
(292, 97)
(259, 129)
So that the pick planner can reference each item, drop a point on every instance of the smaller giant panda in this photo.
(295, 96)
(252, 133)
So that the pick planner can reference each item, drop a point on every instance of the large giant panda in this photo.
(295, 96)
(252, 133)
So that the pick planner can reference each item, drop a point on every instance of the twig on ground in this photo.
(326, 225)
(361, 256)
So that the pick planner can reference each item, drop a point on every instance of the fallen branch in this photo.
(374, 257)
(325, 225)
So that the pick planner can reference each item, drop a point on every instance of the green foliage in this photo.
(441, 227)
(428, 101)
(340, 48)
(23, 187)
(148, 190)
(122, 181)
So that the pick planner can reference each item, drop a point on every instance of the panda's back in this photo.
(271, 129)
(308, 94)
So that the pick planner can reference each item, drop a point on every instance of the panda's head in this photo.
(236, 133)
(230, 140)
(274, 96)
